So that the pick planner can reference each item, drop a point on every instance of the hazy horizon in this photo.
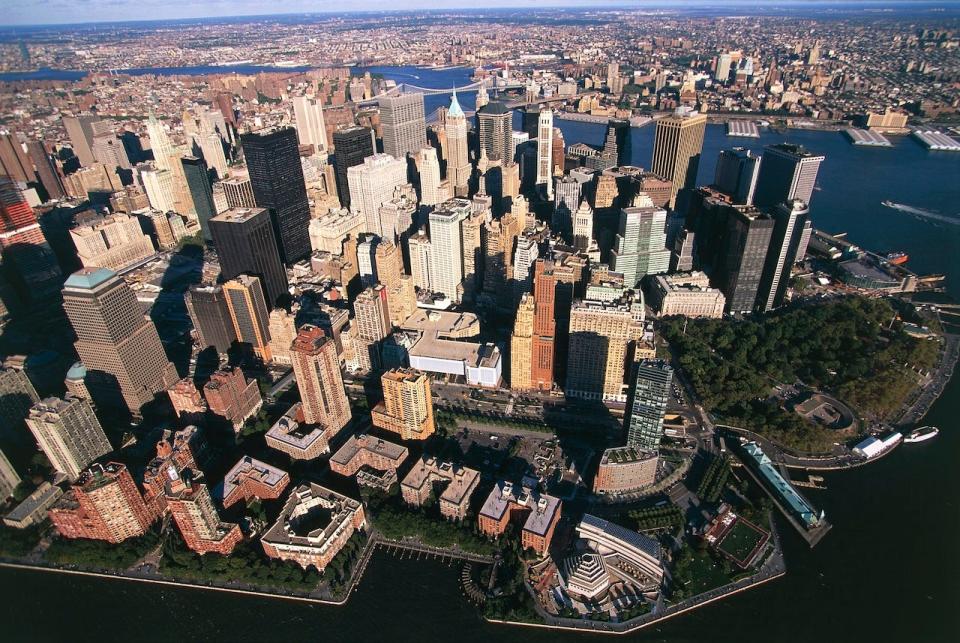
(29, 13)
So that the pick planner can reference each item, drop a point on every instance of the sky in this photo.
(34, 12)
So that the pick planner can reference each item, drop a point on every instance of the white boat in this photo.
(921, 434)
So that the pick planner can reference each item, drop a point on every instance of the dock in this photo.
(742, 129)
(936, 141)
(867, 138)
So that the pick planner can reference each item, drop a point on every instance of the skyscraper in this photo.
(28, 259)
(351, 146)
(68, 433)
(46, 169)
(248, 312)
(158, 184)
(207, 307)
(617, 145)
(647, 405)
(602, 333)
(566, 201)
(273, 159)
(245, 244)
(17, 395)
(238, 192)
(80, 131)
(404, 124)
(446, 247)
(14, 162)
(787, 172)
(317, 369)
(640, 245)
(543, 342)
(496, 131)
(744, 256)
(407, 406)
(232, 396)
(429, 166)
(458, 160)
(308, 114)
(521, 345)
(125, 361)
(159, 143)
(785, 241)
(736, 174)
(104, 504)
(371, 320)
(677, 145)
(198, 182)
(545, 151)
(372, 183)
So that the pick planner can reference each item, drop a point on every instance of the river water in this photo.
(888, 571)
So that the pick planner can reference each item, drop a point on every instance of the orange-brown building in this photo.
(543, 343)
(232, 396)
(363, 453)
(196, 515)
(537, 513)
(407, 406)
(317, 368)
(186, 400)
(461, 481)
(104, 504)
(250, 478)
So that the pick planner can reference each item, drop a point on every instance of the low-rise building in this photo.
(373, 460)
(538, 514)
(625, 469)
(455, 498)
(688, 294)
(33, 509)
(313, 527)
(250, 478)
(301, 441)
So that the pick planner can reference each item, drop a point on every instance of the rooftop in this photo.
(363, 442)
(89, 278)
(251, 469)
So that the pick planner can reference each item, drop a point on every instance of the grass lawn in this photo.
(697, 572)
(740, 541)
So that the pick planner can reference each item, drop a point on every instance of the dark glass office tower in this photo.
(620, 130)
(246, 244)
(198, 181)
(273, 159)
(207, 306)
(351, 146)
(745, 256)
(531, 121)
(787, 172)
(736, 174)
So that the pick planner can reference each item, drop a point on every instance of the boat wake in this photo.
(921, 213)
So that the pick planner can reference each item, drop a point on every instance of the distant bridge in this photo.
(408, 88)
